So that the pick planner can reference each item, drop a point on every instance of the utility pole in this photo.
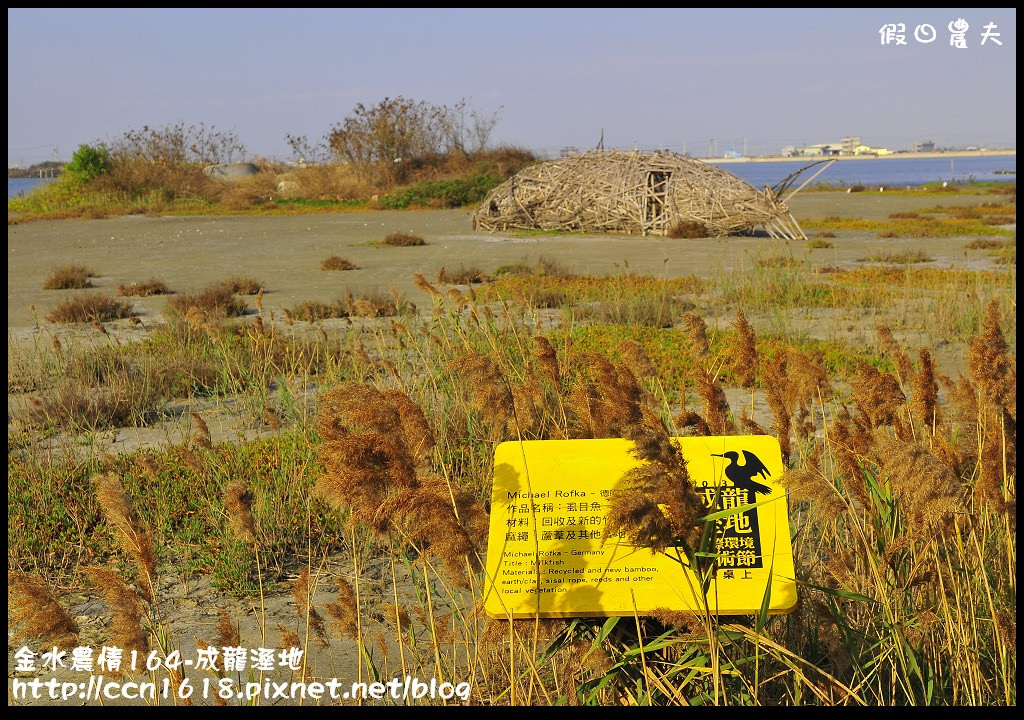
(56, 154)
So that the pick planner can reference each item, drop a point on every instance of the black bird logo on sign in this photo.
(742, 476)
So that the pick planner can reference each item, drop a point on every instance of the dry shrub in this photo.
(314, 310)
(69, 277)
(986, 244)
(688, 229)
(144, 289)
(375, 303)
(904, 215)
(777, 261)
(402, 239)
(94, 307)
(334, 262)
(819, 244)
(465, 275)
(243, 285)
(126, 401)
(329, 182)
(216, 301)
(248, 192)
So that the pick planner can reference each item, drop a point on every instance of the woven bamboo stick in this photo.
(632, 192)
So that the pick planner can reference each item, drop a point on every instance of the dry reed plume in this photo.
(371, 445)
(303, 590)
(928, 493)
(877, 395)
(200, 432)
(344, 611)
(126, 629)
(129, 532)
(547, 360)
(35, 614)
(489, 392)
(238, 500)
(655, 505)
(744, 351)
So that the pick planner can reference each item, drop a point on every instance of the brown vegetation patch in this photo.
(243, 285)
(313, 310)
(403, 239)
(688, 229)
(335, 262)
(95, 307)
(215, 301)
(69, 277)
(144, 289)
(465, 275)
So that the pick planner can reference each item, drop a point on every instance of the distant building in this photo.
(849, 145)
(815, 150)
(868, 150)
(922, 146)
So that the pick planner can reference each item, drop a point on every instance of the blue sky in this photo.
(683, 79)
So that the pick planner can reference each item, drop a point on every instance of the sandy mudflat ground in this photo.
(188, 253)
(284, 253)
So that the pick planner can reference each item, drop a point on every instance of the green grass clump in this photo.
(178, 493)
(452, 193)
(908, 227)
(906, 257)
(819, 243)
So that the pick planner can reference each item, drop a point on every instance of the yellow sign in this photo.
(549, 555)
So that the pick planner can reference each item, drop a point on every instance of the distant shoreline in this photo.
(843, 158)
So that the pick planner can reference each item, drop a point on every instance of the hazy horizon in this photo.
(680, 79)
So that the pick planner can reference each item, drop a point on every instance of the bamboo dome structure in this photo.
(641, 193)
